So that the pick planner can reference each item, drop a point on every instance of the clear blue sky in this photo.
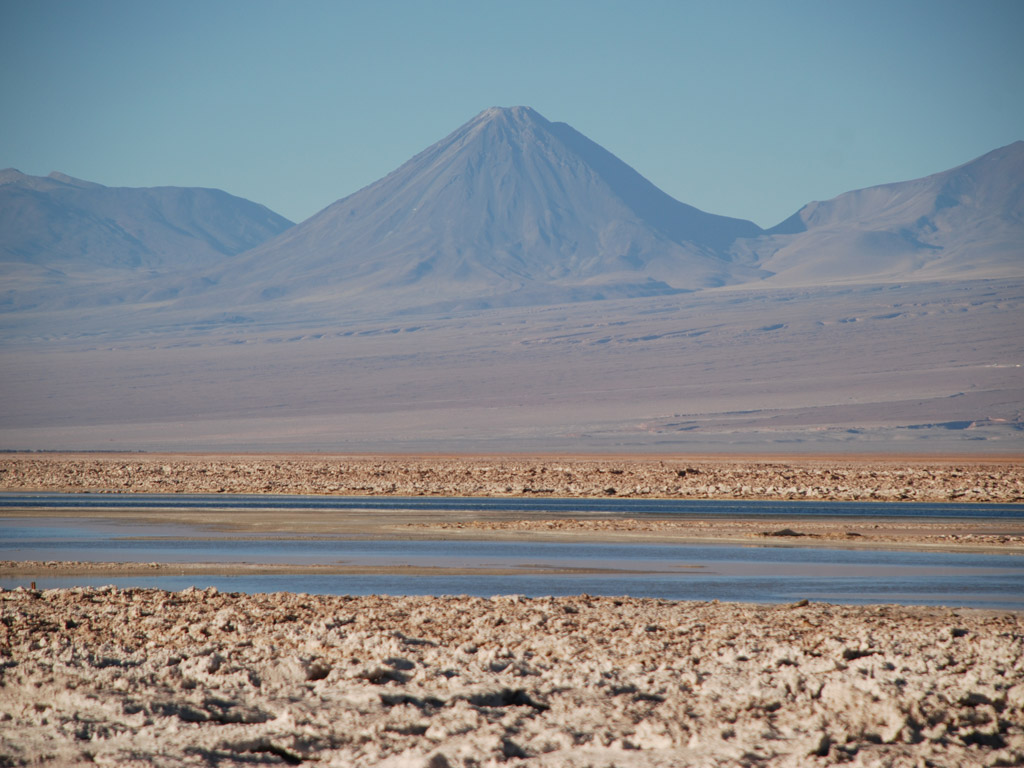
(747, 109)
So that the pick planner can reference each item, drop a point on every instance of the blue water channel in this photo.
(755, 573)
(557, 506)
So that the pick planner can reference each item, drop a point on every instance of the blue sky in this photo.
(747, 109)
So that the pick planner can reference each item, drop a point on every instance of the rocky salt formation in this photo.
(840, 480)
(145, 677)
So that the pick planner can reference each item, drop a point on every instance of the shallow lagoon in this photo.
(756, 573)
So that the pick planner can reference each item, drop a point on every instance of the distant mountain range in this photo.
(68, 241)
(510, 209)
(967, 222)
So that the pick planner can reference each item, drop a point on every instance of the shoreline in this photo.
(76, 568)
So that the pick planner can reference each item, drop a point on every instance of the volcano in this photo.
(509, 209)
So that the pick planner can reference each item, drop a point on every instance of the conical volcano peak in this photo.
(508, 208)
(511, 123)
(517, 114)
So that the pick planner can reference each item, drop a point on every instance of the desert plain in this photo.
(149, 677)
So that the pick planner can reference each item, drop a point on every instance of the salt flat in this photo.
(148, 677)
(878, 478)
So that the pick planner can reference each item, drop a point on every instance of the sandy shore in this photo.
(70, 568)
(840, 479)
(1003, 537)
(145, 677)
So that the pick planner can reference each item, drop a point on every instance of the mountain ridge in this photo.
(509, 209)
(70, 242)
(148, 226)
(964, 221)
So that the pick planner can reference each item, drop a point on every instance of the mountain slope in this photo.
(508, 209)
(59, 235)
(967, 222)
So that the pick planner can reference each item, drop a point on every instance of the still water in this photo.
(556, 506)
(756, 573)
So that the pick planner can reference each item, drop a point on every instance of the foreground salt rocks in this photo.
(145, 677)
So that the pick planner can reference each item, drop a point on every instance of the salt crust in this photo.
(682, 478)
(147, 677)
